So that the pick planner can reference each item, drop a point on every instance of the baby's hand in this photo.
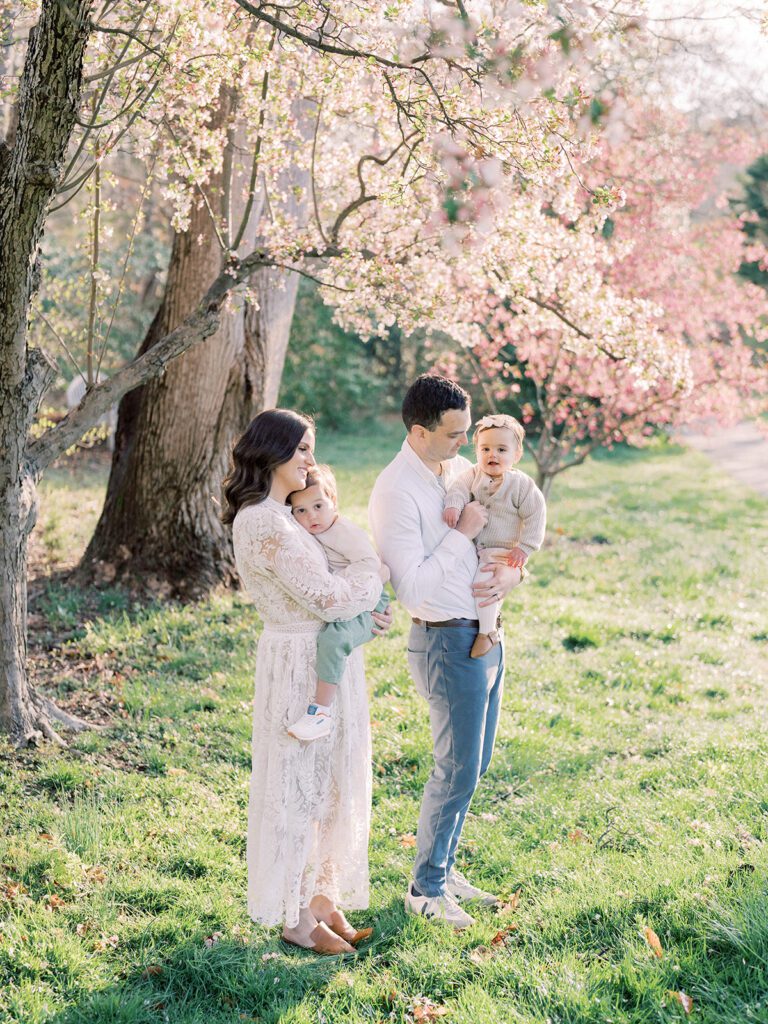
(517, 558)
(451, 517)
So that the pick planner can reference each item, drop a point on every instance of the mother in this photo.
(309, 806)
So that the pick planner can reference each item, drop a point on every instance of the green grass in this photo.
(629, 789)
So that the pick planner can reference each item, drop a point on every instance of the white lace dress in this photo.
(309, 805)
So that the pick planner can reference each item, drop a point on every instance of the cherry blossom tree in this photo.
(652, 287)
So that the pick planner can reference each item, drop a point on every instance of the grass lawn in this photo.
(627, 799)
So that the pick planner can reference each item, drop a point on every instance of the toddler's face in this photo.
(313, 509)
(497, 450)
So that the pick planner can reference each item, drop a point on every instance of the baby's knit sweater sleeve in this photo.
(460, 492)
(532, 509)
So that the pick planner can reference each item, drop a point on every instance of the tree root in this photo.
(42, 730)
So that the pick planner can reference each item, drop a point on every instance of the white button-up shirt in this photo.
(432, 566)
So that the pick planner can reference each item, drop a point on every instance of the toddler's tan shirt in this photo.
(346, 544)
(517, 512)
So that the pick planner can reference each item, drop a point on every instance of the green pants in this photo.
(337, 640)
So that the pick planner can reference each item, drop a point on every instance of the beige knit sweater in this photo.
(517, 513)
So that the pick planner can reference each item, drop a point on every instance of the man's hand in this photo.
(517, 558)
(451, 516)
(473, 518)
(383, 621)
(500, 580)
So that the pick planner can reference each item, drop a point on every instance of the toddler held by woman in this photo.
(348, 548)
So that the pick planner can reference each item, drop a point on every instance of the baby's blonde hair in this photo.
(503, 422)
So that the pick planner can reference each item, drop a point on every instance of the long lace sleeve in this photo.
(271, 542)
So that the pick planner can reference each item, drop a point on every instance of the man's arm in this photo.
(396, 526)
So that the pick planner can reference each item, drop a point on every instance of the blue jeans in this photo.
(464, 698)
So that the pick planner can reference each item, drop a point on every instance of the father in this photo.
(432, 569)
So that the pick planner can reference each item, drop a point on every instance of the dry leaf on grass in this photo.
(54, 902)
(105, 942)
(211, 940)
(654, 943)
(152, 971)
(407, 841)
(480, 954)
(578, 836)
(96, 874)
(511, 905)
(422, 1009)
(685, 1000)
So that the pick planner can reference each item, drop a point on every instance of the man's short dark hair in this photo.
(428, 398)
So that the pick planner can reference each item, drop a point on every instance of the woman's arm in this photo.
(272, 542)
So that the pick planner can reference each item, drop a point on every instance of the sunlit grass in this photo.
(629, 790)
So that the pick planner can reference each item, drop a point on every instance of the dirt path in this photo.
(742, 451)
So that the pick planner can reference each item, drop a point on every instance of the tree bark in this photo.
(160, 522)
(31, 161)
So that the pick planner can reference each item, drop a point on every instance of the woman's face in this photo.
(292, 475)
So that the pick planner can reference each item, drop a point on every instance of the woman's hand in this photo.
(383, 620)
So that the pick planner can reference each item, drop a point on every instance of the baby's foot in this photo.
(484, 642)
(313, 724)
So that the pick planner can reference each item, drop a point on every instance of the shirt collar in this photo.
(420, 467)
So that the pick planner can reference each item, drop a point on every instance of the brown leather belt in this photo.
(472, 623)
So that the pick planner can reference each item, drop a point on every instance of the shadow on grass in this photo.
(225, 980)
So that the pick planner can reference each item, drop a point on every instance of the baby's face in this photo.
(313, 509)
(497, 450)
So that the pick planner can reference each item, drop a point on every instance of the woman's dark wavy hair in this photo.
(271, 439)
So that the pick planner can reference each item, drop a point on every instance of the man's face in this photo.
(448, 436)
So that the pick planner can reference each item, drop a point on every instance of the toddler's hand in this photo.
(473, 518)
(517, 558)
(451, 516)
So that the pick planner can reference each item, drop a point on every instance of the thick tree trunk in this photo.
(160, 522)
(31, 159)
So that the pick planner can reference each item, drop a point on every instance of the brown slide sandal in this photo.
(341, 926)
(325, 942)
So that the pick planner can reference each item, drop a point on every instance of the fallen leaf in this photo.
(500, 936)
(83, 928)
(53, 902)
(511, 905)
(269, 956)
(96, 874)
(653, 941)
(152, 971)
(46, 836)
(422, 1008)
(407, 841)
(480, 954)
(578, 836)
(211, 940)
(685, 1000)
(105, 942)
